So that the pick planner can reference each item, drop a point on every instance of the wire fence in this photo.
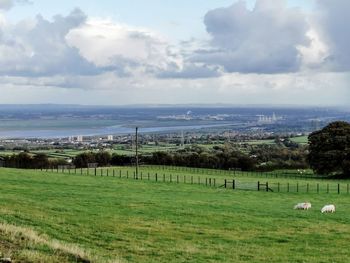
(233, 183)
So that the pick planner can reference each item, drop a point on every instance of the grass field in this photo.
(47, 217)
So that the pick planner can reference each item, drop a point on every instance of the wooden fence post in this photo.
(338, 188)
(267, 186)
(258, 185)
(233, 184)
(327, 188)
(278, 187)
(225, 183)
(318, 187)
(157, 176)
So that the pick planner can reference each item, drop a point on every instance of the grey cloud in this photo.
(262, 40)
(42, 49)
(333, 22)
(190, 71)
(8, 4)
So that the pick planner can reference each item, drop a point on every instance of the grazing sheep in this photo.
(303, 206)
(328, 209)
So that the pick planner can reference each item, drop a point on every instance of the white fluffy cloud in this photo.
(38, 47)
(262, 40)
(120, 47)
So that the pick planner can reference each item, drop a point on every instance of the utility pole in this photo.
(137, 153)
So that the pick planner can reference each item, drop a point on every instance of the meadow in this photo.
(48, 217)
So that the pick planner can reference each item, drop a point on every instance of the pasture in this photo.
(55, 217)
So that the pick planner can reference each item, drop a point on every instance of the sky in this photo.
(278, 52)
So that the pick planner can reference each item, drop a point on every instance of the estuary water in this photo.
(111, 130)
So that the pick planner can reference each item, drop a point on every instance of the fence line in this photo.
(233, 183)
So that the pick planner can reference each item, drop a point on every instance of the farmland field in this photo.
(48, 217)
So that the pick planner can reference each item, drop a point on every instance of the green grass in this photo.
(141, 221)
(300, 139)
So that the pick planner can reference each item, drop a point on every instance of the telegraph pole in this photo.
(137, 153)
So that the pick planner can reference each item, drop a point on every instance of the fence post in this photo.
(287, 187)
(347, 188)
(327, 188)
(258, 185)
(107, 172)
(233, 184)
(278, 187)
(225, 183)
(157, 177)
(191, 179)
(163, 177)
(318, 187)
(101, 171)
(184, 178)
(120, 173)
(127, 174)
(141, 176)
(307, 188)
(338, 188)
(297, 187)
(177, 178)
(267, 186)
(171, 178)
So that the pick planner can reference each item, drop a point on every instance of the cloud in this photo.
(332, 24)
(8, 4)
(39, 48)
(190, 71)
(120, 47)
(262, 40)
(76, 45)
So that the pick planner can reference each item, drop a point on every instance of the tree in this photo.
(329, 149)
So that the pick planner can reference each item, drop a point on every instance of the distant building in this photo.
(315, 125)
(80, 138)
(110, 137)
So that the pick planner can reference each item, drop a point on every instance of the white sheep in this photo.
(303, 206)
(328, 209)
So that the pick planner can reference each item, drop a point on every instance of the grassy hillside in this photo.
(69, 218)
